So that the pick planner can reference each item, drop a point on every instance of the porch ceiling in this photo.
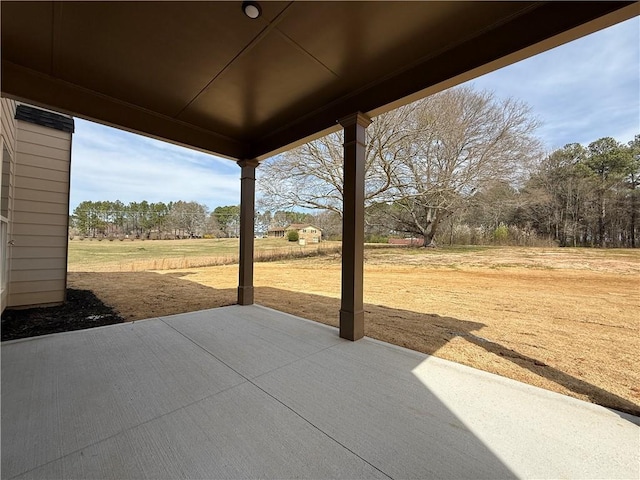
(202, 74)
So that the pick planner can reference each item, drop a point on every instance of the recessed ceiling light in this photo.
(251, 9)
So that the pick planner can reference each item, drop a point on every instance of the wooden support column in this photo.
(247, 214)
(351, 308)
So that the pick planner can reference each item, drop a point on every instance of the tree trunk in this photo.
(451, 232)
(430, 231)
(634, 200)
(601, 229)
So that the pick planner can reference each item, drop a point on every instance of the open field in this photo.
(140, 255)
(563, 319)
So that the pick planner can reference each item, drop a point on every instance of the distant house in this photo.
(306, 232)
(34, 206)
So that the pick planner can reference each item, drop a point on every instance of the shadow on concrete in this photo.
(229, 393)
(429, 333)
(141, 295)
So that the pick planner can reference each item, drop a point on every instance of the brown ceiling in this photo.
(202, 74)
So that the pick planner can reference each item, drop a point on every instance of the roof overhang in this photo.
(202, 74)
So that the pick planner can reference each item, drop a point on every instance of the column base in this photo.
(245, 295)
(352, 325)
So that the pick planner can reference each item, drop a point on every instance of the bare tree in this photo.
(212, 227)
(465, 140)
(423, 161)
(188, 218)
(311, 176)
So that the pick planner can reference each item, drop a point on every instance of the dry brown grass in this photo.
(562, 319)
(182, 263)
(141, 256)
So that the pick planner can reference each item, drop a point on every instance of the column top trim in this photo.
(248, 163)
(358, 117)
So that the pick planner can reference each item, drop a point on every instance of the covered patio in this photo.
(247, 86)
(244, 391)
(248, 392)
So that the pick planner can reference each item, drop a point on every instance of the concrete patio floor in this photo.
(248, 392)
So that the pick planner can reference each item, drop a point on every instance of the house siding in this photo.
(7, 170)
(8, 112)
(6, 184)
(309, 233)
(40, 215)
(45, 298)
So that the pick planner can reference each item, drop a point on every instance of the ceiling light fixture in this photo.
(251, 9)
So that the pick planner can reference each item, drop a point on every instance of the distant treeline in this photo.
(138, 219)
(576, 196)
(172, 220)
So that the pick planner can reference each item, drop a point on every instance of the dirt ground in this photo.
(562, 319)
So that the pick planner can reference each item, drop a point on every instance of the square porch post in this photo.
(351, 308)
(247, 214)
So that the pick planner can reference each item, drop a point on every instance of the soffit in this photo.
(202, 74)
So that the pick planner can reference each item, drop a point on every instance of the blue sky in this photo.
(581, 91)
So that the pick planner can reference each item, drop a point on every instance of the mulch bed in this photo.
(81, 310)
